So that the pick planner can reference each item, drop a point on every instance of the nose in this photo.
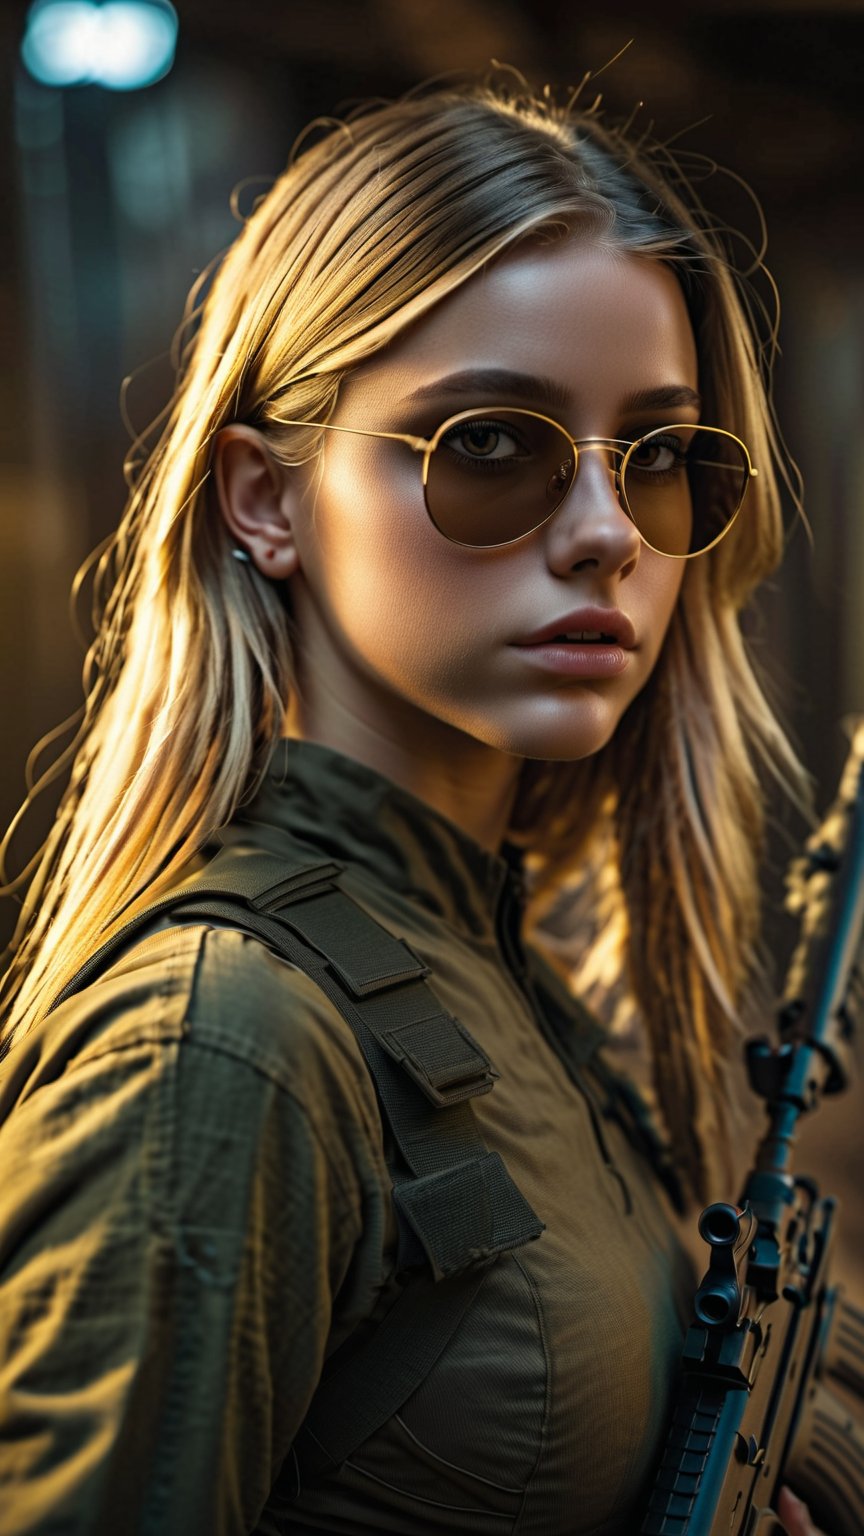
(591, 526)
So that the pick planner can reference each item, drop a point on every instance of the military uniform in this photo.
(196, 1214)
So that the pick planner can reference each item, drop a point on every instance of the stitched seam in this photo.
(212, 1037)
(287, 1093)
(167, 990)
(170, 1440)
(206, 1032)
(548, 1397)
(158, 1150)
(460, 1509)
(502, 1487)
(164, 1119)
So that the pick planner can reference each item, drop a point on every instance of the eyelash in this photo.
(478, 423)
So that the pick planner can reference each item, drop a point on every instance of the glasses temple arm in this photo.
(418, 444)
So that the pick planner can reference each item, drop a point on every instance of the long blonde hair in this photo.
(186, 683)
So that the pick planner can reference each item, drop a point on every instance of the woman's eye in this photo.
(483, 440)
(659, 455)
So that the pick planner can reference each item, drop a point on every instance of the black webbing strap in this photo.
(460, 1204)
(457, 1206)
(361, 1389)
(245, 876)
(457, 1203)
(459, 1210)
(431, 1045)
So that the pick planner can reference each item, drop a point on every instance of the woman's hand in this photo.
(795, 1515)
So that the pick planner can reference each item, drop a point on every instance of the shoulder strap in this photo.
(247, 879)
(363, 1385)
(457, 1206)
(456, 1200)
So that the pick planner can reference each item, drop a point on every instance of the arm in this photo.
(172, 1234)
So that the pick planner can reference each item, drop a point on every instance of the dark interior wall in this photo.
(120, 200)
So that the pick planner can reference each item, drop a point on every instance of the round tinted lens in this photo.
(494, 476)
(683, 485)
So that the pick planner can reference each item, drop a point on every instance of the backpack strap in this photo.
(245, 882)
(456, 1204)
(363, 1384)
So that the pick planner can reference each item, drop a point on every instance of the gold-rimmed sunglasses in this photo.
(492, 476)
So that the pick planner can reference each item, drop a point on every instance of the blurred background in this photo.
(119, 194)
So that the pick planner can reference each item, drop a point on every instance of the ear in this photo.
(258, 500)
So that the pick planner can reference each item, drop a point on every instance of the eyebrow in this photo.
(667, 396)
(500, 381)
(546, 391)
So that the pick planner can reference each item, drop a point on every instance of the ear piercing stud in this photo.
(243, 554)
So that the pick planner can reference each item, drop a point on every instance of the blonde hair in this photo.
(188, 677)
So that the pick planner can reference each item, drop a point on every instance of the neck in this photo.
(470, 783)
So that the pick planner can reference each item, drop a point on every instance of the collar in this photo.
(356, 816)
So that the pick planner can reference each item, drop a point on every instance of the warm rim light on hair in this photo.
(187, 681)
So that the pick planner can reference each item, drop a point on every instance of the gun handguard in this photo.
(772, 1379)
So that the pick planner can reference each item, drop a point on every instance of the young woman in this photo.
(426, 603)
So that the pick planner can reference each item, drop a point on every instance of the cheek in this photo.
(662, 586)
(386, 579)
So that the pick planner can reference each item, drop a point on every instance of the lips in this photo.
(609, 622)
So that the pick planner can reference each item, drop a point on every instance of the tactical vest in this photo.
(456, 1206)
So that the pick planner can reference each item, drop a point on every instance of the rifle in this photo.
(772, 1374)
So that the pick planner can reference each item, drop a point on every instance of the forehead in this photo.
(601, 322)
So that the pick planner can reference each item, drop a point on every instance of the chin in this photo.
(565, 735)
(574, 750)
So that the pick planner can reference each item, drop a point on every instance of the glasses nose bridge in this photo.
(615, 450)
(606, 523)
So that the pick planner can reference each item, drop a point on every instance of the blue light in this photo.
(119, 44)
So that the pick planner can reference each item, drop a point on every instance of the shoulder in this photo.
(244, 1022)
(191, 1163)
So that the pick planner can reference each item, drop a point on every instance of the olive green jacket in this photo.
(195, 1212)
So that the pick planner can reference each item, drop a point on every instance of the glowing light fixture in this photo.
(122, 45)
